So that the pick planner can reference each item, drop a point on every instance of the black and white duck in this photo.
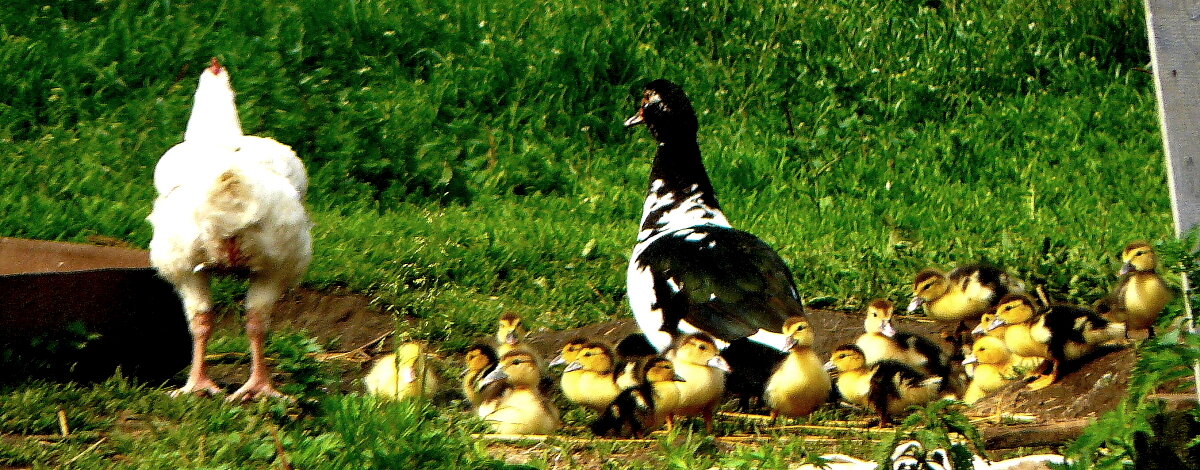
(690, 271)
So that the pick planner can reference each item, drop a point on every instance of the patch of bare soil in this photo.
(351, 321)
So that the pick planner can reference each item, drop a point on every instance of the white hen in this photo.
(229, 204)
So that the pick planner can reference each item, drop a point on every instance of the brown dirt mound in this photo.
(352, 321)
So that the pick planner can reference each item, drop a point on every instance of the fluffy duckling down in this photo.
(646, 406)
(1020, 363)
(1059, 333)
(510, 333)
(698, 361)
(592, 383)
(479, 360)
(993, 368)
(517, 406)
(403, 374)
(888, 387)
(963, 293)
(1141, 293)
(881, 341)
(799, 384)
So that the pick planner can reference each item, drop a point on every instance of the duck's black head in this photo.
(666, 111)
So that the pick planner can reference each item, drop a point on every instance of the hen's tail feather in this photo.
(230, 208)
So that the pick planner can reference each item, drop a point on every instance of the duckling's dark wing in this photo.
(936, 360)
(723, 281)
(635, 345)
(887, 378)
(752, 364)
(989, 276)
(1068, 324)
(631, 410)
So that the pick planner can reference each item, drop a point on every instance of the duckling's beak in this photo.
(678, 378)
(888, 329)
(511, 338)
(980, 329)
(916, 303)
(789, 343)
(574, 366)
(635, 119)
(408, 375)
(558, 361)
(494, 376)
(718, 362)
(1126, 269)
(970, 360)
(997, 323)
(829, 366)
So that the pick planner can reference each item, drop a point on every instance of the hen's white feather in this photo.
(218, 187)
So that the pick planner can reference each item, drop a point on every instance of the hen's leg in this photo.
(260, 300)
(195, 293)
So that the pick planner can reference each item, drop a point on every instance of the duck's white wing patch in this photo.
(771, 339)
(640, 290)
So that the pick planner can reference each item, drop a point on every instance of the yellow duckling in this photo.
(569, 382)
(646, 406)
(1020, 362)
(595, 385)
(881, 341)
(1141, 294)
(800, 384)
(510, 333)
(1059, 333)
(517, 406)
(479, 360)
(403, 374)
(569, 351)
(963, 293)
(888, 387)
(993, 368)
(984, 321)
(698, 361)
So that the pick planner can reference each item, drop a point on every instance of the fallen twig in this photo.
(85, 451)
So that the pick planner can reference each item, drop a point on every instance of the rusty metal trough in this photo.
(79, 312)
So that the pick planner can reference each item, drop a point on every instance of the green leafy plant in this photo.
(939, 424)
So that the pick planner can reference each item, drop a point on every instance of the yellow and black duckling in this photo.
(800, 384)
(1020, 362)
(517, 406)
(569, 351)
(510, 332)
(632, 353)
(593, 383)
(882, 341)
(985, 321)
(888, 387)
(993, 368)
(1058, 333)
(646, 406)
(1141, 293)
(403, 374)
(479, 360)
(698, 361)
(962, 294)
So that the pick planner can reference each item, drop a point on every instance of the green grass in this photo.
(467, 157)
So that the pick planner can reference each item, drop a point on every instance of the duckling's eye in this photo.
(800, 327)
